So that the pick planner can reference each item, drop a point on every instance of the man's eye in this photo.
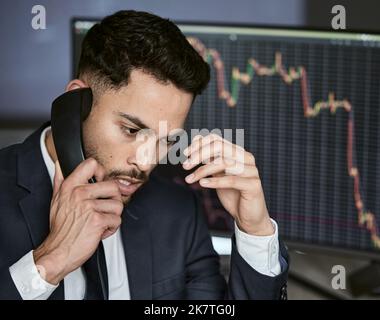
(129, 131)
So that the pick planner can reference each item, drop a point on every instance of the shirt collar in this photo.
(47, 159)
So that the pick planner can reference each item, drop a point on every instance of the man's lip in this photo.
(127, 190)
(129, 179)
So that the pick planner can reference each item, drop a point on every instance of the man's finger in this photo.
(225, 166)
(108, 206)
(111, 223)
(217, 149)
(85, 171)
(193, 145)
(99, 190)
(231, 182)
(58, 178)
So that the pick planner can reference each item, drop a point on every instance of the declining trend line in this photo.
(365, 218)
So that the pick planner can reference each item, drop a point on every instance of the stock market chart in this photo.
(308, 102)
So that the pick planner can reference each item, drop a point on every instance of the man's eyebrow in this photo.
(135, 120)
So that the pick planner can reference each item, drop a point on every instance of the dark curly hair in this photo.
(129, 40)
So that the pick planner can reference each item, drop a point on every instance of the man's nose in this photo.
(144, 155)
(142, 166)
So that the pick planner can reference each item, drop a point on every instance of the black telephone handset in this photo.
(68, 112)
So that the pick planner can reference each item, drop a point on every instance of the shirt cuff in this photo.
(28, 280)
(260, 252)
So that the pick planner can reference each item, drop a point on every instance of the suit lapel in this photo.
(138, 251)
(35, 205)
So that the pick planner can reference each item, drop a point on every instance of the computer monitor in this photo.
(309, 103)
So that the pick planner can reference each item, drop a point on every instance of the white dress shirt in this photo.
(260, 252)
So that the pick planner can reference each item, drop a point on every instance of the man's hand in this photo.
(81, 215)
(230, 170)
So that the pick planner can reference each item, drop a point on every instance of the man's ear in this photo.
(75, 84)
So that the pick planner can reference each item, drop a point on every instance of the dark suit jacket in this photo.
(166, 241)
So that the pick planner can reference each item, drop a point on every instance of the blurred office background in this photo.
(35, 66)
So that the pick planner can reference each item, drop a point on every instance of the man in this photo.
(141, 70)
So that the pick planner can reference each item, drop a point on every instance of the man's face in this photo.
(110, 132)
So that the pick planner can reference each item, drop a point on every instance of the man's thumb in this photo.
(58, 178)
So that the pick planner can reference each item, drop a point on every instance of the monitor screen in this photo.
(308, 102)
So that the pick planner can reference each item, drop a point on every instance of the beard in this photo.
(113, 174)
